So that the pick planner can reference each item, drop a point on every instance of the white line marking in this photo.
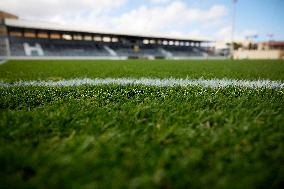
(3, 61)
(171, 82)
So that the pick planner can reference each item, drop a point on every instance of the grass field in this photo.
(57, 70)
(137, 136)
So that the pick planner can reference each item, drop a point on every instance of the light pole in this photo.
(234, 2)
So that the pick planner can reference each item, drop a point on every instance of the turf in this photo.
(113, 136)
(57, 70)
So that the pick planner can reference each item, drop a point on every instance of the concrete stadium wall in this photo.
(61, 58)
(198, 58)
(258, 54)
(102, 58)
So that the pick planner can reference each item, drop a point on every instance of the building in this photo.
(25, 39)
(271, 45)
(262, 50)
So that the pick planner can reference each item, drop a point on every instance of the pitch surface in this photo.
(141, 136)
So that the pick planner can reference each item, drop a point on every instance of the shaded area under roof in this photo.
(20, 23)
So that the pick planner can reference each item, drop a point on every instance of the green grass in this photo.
(114, 136)
(56, 70)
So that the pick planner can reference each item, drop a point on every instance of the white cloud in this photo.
(63, 9)
(196, 34)
(159, 1)
(225, 34)
(164, 17)
(176, 16)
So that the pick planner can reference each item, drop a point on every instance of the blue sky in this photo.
(209, 19)
(263, 16)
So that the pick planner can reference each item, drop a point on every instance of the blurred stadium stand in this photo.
(21, 38)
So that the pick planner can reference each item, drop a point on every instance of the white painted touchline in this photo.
(3, 61)
(213, 83)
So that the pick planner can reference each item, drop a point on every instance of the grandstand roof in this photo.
(275, 43)
(21, 23)
(4, 14)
